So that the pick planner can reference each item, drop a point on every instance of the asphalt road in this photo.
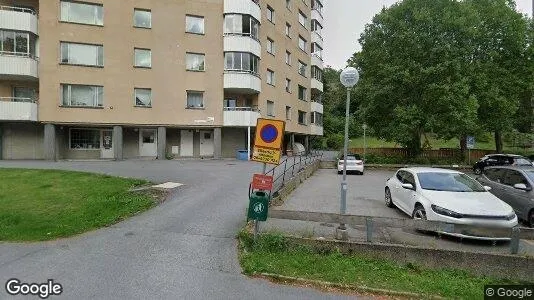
(182, 249)
(365, 197)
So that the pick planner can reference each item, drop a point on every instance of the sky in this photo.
(339, 45)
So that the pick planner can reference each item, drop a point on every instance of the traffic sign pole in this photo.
(256, 222)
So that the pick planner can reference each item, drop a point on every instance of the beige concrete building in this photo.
(108, 79)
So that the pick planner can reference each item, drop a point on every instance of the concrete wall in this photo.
(233, 139)
(22, 141)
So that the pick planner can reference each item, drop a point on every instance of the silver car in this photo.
(513, 185)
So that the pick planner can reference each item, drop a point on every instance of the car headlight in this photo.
(445, 212)
(511, 216)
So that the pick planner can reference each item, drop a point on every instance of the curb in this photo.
(358, 288)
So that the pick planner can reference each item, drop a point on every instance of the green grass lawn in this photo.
(272, 255)
(40, 205)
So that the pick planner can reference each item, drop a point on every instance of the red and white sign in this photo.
(262, 182)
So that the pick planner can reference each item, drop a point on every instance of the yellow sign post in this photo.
(268, 141)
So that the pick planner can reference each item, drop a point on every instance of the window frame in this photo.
(305, 93)
(288, 30)
(197, 17)
(304, 114)
(288, 58)
(85, 129)
(288, 85)
(135, 97)
(99, 49)
(271, 45)
(270, 14)
(305, 43)
(70, 85)
(271, 77)
(136, 49)
(187, 106)
(303, 16)
(96, 6)
(270, 113)
(288, 113)
(203, 55)
(142, 10)
(302, 68)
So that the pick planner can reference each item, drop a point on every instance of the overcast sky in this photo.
(346, 19)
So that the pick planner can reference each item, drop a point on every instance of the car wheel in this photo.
(419, 212)
(361, 173)
(477, 171)
(339, 172)
(531, 218)
(388, 199)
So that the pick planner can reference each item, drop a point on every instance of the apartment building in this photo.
(109, 79)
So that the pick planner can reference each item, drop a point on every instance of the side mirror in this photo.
(521, 186)
(487, 188)
(407, 186)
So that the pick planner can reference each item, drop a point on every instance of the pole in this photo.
(248, 143)
(343, 207)
(256, 223)
(364, 141)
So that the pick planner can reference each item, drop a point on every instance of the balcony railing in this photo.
(257, 2)
(19, 54)
(245, 108)
(317, 100)
(18, 9)
(18, 99)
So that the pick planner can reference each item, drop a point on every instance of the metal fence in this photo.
(290, 167)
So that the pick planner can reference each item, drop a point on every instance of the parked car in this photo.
(447, 196)
(513, 185)
(500, 160)
(354, 164)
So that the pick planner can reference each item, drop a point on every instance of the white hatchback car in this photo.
(354, 164)
(447, 196)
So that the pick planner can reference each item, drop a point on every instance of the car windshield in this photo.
(530, 174)
(352, 157)
(449, 182)
(522, 161)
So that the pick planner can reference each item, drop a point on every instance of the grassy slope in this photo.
(47, 204)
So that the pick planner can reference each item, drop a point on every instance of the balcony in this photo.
(19, 19)
(317, 107)
(317, 61)
(316, 38)
(18, 109)
(240, 116)
(18, 67)
(316, 85)
(242, 82)
(241, 43)
(245, 7)
(316, 130)
(317, 15)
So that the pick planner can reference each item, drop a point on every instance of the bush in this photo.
(318, 143)
(335, 141)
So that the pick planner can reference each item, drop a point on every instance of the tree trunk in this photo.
(463, 147)
(414, 147)
(498, 141)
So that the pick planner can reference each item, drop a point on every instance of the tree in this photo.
(413, 72)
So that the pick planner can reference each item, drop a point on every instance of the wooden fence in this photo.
(475, 154)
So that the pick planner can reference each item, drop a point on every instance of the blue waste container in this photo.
(242, 154)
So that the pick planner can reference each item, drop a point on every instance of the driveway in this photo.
(182, 249)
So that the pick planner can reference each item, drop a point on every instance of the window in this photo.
(270, 14)
(317, 73)
(241, 25)
(288, 112)
(270, 46)
(241, 62)
(194, 62)
(317, 50)
(195, 99)
(82, 54)
(288, 58)
(270, 108)
(142, 18)
(302, 43)
(496, 174)
(514, 177)
(24, 94)
(83, 139)
(270, 77)
(194, 24)
(143, 97)
(17, 43)
(302, 93)
(229, 104)
(83, 13)
(143, 58)
(302, 68)
(317, 27)
(288, 4)
(316, 5)
(303, 19)
(82, 95)
(288, 85)
(302, 117)
(316, 118)
(288, 30)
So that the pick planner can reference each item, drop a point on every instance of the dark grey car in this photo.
(513, 185)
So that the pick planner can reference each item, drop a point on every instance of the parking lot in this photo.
(365, 196)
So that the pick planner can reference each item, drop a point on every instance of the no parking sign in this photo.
(268, 141)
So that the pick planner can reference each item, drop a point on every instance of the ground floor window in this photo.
(84, 139)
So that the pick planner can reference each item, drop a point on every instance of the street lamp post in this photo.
(349, 77)
(364, 126)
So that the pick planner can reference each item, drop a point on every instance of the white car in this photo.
(354, 164)
(447, 196)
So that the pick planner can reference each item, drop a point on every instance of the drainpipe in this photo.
(248, 143)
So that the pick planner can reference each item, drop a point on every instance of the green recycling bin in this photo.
(258, 206)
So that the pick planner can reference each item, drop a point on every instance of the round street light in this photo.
(349, 77)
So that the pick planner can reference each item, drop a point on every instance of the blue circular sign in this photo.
(269, 133)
